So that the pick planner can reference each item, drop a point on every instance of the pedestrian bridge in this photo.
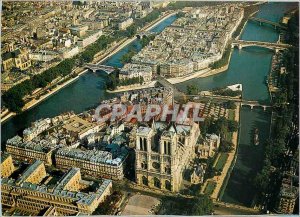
(270, 45)
(253, 104)
(96, 67)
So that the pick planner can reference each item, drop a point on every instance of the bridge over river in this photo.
(270, 45)
(96, 67)
(250, 103)
(261, 21)
(253, 104)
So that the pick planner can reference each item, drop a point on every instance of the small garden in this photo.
(221, 162)
(210, 187)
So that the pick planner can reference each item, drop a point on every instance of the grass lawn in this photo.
(231, 114)
(221, 161)
(210, 187)
(229, 136)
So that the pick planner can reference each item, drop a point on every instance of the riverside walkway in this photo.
(242, 209)
(220, 180)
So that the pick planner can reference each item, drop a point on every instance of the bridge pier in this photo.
(251, 106)
(265, 108)
(240, 46)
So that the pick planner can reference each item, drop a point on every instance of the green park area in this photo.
(231, 114)
(210, 187)
(221, 161)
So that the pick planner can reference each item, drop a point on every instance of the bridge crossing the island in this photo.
(96, 67)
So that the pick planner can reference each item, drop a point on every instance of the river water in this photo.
(248, 66)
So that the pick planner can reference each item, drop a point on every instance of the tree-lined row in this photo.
(130, 81)
(138, 24)
(145, 40)
(13, 98)
(227, 92)
(176, 5)
(126, 58)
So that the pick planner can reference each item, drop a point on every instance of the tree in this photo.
(210, 170)
(205, 125)
(192, 90)
(226, 146)
(203, 206)
(145, 41)
(220, 126)
(261, 181)
(231, 105)
(223, 61)
(126, 58)
(232, 125)
(227, 92)
(180, 14)
(141, 80)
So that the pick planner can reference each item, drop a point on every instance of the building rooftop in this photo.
(30, 169)
(41, 146)
(73, 197)
(78, 125)
(4, 156)
(144, 130)
(66, 178)
(95, 156)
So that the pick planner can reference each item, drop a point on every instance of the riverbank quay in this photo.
(219, 179)
(244, 23)
(133, 87)
(247, 14)
(221, 208)
(81, 70)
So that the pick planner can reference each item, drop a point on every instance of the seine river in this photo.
(248, 66)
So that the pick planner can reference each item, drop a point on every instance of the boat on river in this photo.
(255, 138)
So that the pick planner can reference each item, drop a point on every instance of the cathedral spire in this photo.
(153, 125)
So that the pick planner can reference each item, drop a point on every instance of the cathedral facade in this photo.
(162, 153)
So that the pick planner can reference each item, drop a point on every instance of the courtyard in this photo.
(140, 204)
